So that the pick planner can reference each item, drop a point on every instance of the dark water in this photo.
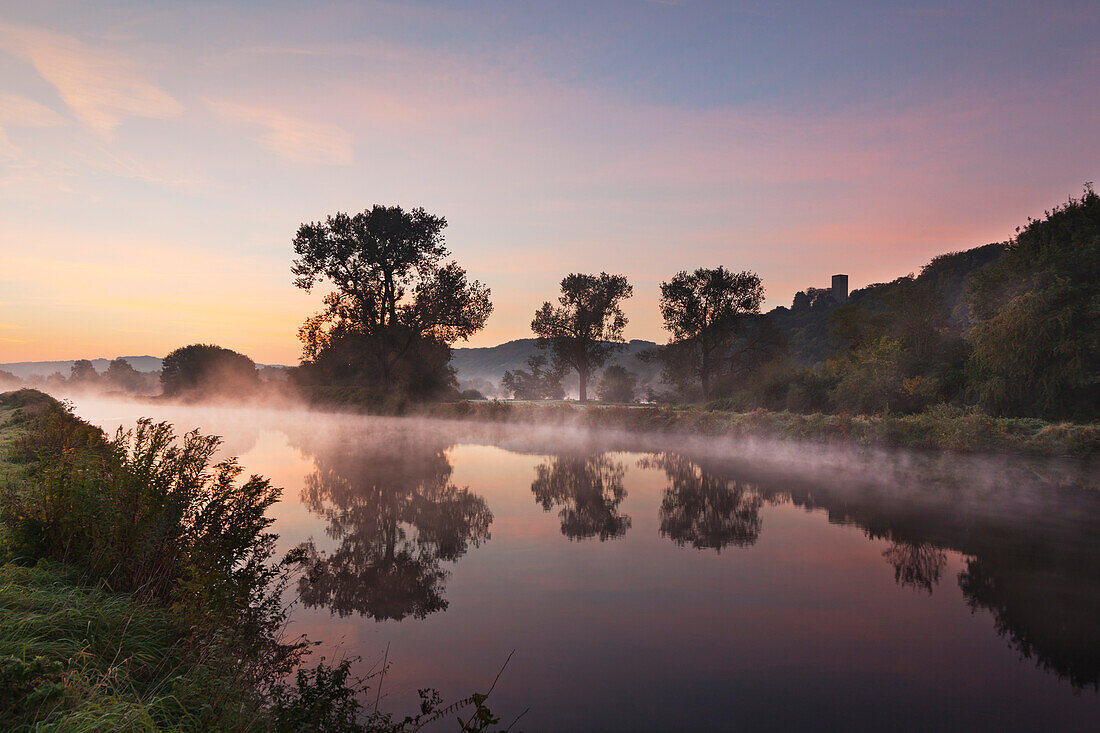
(646, 584)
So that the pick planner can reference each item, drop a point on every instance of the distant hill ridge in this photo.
(27, 369)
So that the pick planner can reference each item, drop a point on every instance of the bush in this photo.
(617, 385)
(202, 370)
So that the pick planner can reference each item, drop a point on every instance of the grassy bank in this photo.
(73, 654)
(139, 590)
(941, 428)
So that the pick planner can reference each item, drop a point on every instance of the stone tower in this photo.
(840, 288)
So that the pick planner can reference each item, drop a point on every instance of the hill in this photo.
(482, 368)
(27, 369)
(806, 323)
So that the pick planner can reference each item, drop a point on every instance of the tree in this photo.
(704, 311)
(1036, 347)
(617, 384)
(83, 373)
(122, 376)
(397, 304)
(588, 325)
(541, 383)
(206, 369)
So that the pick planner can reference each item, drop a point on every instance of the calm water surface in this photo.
(647, 584)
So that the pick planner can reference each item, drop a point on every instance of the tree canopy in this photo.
(1036, 347)
(208, 370)
(587, 325)
(396, 305)
(704, 311)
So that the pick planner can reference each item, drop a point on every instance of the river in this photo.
(653, 583)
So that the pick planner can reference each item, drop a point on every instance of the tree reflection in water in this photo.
(916, 564)
(589, 488)
(397, 517)
(704, 509)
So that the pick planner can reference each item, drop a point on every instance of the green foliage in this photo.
(76, 657)
(1035, 339)
(587, 327)
(321, 699)
(810, 324)
(203, 370)
(869, 379)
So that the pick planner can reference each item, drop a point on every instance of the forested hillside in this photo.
(806, 323)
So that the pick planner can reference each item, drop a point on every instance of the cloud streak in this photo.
(100, 88)
(298, 140)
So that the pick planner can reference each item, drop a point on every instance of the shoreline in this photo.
(942, 428)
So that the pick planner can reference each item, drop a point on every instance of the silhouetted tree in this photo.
(588, 325)
(83, 374)
(541, 383)
(589, 488)
(122, 376)
(704, 311)
(617, 384)
(396, 306)
(704, 509)
(205, 369)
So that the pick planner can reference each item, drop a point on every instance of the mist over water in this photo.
(657, 582)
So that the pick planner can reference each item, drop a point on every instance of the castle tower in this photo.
(840, 288)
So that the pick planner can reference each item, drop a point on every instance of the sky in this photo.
(156, 158)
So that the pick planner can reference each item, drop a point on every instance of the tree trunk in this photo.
(583, 374)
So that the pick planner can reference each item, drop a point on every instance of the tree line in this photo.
(1010, 330)
(1026, 345)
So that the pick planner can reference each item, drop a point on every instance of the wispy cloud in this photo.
(18, 111)
(100, 87)
(303, 141)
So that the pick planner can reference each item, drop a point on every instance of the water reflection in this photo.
(1032, 556)
(1048, 612)
(397, 516)
(916, 564)
(703, 509)
(589, 488)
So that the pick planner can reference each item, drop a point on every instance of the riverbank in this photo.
(73, 654)
(942, 428)
(139, 589)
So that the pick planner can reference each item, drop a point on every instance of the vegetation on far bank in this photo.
(940, 428)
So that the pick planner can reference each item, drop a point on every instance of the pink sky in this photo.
(155, 161)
